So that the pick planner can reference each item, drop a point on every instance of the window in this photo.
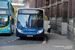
(4, 20)
(30, 21)
(11, 1)
(47, 2)
(3, 4)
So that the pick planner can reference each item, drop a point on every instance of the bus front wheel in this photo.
(21, 37)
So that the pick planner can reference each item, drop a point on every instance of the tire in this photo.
(21, 37)
(41, 38)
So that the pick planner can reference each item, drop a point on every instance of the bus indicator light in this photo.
(38, 11)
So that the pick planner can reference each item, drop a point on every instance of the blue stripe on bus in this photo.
(29, 30)
(25, 35)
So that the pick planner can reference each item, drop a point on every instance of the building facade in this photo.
(61, 14)
(14, 1)
(33, 4)
(25, 1)
(71, 20)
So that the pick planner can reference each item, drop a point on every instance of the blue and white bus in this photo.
(30, 22)
(6, 17)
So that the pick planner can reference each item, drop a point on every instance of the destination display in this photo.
(30, 11)
(4, 12)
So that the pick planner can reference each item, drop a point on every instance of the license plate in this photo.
(29, 35)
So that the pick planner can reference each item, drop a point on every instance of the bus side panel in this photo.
(5, 30)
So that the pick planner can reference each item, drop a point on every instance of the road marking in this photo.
(12, 40)
(44, 42)
(9, 41)
(17, 38)
(4, 43)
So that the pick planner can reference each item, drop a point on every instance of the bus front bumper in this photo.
(18, 34)
(5, 32)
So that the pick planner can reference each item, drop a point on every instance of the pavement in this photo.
(58, 42)
(52, 41)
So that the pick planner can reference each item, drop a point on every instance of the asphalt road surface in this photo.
(51, 42)
(13, 40)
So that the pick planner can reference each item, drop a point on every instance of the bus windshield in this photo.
(30, 21)
(3, 21)
(3, 4)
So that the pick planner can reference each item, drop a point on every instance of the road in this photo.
(13, 40)
(52, 42)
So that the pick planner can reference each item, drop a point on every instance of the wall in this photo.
(33, 4)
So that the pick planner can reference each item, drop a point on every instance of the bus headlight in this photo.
(40, 31)
(20, 31)
(8, 29)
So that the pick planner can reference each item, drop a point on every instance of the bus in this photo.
(30, 22)
(6, 17)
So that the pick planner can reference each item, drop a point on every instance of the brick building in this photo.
(14, 1)
(56, 10)
(49, 5)
(61, 13)
(33, 4)
(71, 20)
(25, 1)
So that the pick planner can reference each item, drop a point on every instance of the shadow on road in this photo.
(5, 35)
(31, 38)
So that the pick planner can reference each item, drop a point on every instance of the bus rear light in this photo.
(38, 11)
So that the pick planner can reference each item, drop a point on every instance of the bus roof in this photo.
(4, 0)
(18, 4)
